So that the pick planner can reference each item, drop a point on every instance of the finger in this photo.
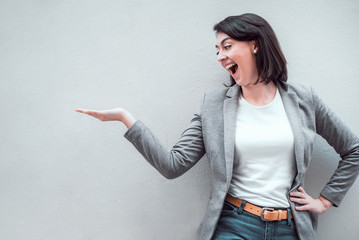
(95, 114)
(79, 110)
(91, 111)
(299, 200)
(86, 111)
(301, 189)
(302, 208)
(297, 194)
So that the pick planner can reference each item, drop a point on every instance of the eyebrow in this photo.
(227, 38)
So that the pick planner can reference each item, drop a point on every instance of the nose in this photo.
(221, 57)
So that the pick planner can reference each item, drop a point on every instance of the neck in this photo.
(259, 94)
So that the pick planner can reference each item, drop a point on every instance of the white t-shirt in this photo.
(264, 164)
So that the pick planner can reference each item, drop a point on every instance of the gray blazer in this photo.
(212, 132)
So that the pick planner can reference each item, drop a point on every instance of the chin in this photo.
(239, 82)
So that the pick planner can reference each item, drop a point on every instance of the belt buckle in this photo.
(262, 213)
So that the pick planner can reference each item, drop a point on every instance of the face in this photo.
(238, 59)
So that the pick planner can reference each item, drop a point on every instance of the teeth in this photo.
(231, 65)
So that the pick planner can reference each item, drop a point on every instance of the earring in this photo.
(255, 51)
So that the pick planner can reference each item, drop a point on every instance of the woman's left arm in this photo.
(346, 144)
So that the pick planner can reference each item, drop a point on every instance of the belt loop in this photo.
(288, 217)
(240, 209)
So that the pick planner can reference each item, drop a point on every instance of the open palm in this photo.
(115, 114)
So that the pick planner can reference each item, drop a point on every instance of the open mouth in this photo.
(232, 68)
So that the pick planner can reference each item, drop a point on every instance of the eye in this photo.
(227, 47)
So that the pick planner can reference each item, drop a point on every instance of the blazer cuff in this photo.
(331, 196)
(134, 131)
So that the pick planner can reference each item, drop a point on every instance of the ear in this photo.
(253, 45)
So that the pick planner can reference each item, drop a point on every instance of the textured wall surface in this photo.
(66, 176)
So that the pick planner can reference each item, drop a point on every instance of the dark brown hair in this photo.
(271, 63)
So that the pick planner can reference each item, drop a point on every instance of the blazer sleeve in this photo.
(170, 162)
(345, 143)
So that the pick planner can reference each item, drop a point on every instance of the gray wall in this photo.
(64, 175)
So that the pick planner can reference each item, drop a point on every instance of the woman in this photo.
(258, 135)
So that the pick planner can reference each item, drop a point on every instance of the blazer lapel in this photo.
(229, 118)
(290, 102)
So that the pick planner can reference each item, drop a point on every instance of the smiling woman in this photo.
(262, 130)
(238, 58)
(253, 33)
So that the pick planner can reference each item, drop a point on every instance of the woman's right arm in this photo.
(170, 162)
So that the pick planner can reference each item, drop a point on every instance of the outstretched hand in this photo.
(104, 115)
(116, 114)
(318, 206)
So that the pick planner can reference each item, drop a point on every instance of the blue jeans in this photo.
(236, 224)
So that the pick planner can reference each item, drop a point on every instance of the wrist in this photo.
(127, 118)
(326, 203)
(124, 114)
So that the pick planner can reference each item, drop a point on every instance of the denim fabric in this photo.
(236, 224)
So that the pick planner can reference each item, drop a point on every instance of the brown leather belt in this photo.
(266, 214)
